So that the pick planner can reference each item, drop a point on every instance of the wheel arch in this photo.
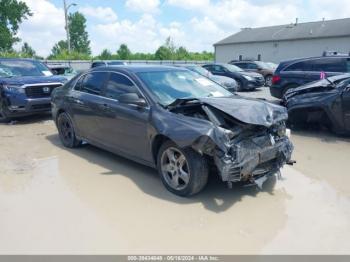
(157, 142)
(306, 111)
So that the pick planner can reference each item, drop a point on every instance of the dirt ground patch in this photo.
(88, 201)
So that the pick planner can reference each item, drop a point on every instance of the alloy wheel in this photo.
(66, 130)
(175, 169)
(268, 81)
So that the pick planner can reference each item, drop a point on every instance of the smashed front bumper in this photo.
(253, 158)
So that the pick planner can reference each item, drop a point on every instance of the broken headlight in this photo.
(281, 130)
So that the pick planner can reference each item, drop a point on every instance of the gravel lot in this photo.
(88, 201)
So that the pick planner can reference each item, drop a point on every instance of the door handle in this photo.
(76, 100)
(105, 107)
(79, 102)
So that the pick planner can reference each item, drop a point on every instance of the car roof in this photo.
(186, 65)
(139, 68)
(18, 59)
(223, 64)
(246, 61)
(313, 57)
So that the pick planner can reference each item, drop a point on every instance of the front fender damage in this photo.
(241, 152)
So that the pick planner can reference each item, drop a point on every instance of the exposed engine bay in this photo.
(241, 152)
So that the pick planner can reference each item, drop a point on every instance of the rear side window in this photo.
(117, 85)
(241, 65)
(300, 66)
(208, 67)
(252, 66)
(93, 82)
(329, 65)
(218, 69)
(97, 64)
(319, 65)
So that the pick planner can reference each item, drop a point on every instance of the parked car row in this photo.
(245, 80)
(265, 69)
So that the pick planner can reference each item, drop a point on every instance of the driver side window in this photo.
(218, 69)
(252, 66)
(117, 85)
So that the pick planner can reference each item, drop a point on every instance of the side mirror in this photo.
(132, 99)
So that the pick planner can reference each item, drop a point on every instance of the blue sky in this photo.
(145, 24)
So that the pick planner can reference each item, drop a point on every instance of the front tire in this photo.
(4, 115)
(66, 131)
(184, 172)
(239, 86)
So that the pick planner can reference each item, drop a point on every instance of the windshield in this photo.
(23, 68)
(115, 63)
(263, 65)
(167, 86)
(271, 65)
(233, 68)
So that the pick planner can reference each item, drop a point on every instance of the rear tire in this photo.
(184, 172)
(66, 131)
(268, 80)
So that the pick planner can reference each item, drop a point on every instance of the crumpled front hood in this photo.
(316, 86)
(249, 111)
(29, 80)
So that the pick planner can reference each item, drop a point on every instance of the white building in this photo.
(283, 42)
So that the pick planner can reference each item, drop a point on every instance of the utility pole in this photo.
(66, 22)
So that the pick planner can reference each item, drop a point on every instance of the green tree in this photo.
(12, 13)
(105, 55)
(169, 43)
(59, 48)
(163, 53)
(79, 37)
(124, 52)
(182, 54)
(27, 50)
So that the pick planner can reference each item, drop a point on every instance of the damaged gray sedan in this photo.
(175, 120)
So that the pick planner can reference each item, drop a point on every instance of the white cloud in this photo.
(233, 14)
(209, 21)
(144, 6)
(141, 36)
(194, 5)
(103, 14)
(44, 28)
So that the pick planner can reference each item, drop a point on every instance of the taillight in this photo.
(275, 79)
